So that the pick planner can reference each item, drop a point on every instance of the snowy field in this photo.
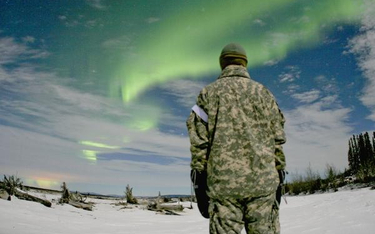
(343, 212)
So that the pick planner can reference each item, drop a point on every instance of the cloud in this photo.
(92, 23)
(119, 43)
(291, 89)
(78, 116)
(307, 97)
(259, 22)
(28, 39)
(152, 20)
(324, 86)
(81, 100)
(186, 91)
(363, 46)
(143, 157)
(12, 51)
(31, 154)
(271, 62)
(68, 22)
(79, 20)
(292, 74)
(328, 86)
(317, 134)
(72, 23)
(97, 4)
(62, 17)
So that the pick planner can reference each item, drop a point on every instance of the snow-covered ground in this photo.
(343, 212)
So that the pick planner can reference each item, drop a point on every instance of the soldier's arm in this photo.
(280, 139)
(198, 133)
(280, 157)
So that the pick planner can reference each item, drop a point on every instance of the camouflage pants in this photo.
(257, 215)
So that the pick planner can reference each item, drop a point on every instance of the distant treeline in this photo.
(361, 161)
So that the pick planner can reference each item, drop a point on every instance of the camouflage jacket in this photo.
(236, 131)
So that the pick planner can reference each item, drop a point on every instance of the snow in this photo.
(343, 212)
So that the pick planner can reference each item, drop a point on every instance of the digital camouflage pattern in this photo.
(240, 145)
(258, 215)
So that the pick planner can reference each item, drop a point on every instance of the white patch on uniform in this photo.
(200, 112)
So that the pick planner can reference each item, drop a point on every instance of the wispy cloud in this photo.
(259, 22)
(328, 86)
(79, 116)
(271, 62)
(119, 43)
(186, 91)
(97, 4)
(291, 89)
(62, 17)
(92, 24)
(317, 133)
(363, 46)
(28, 39)
(152, 20)
(307, 97)
(12, 51)
(292, 74)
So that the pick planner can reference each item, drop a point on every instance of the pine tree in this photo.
(353, 156)
(368, 151)
(355, 152)
(362, 149)
(350, 156)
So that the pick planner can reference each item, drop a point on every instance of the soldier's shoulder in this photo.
(261, 87)
(257, 84)
(211, 86)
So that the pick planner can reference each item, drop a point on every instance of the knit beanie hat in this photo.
(233, 53)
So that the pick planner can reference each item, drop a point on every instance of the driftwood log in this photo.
(72, 199)
(167, 208)
(171, 207)
(81, 205)
(25, 196)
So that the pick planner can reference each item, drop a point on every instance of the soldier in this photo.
(236, 131)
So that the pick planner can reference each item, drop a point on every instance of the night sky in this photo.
(95, 93)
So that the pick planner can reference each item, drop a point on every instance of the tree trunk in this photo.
(25, 196)
(81, 205)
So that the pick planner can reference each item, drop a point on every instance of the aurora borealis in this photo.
(96, 92)
(187, 44)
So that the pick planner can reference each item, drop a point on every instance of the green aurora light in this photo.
(98, 145)
(187, 44)
(90, 155)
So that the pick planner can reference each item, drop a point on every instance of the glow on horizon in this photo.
(188, 44)
(43, 182)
